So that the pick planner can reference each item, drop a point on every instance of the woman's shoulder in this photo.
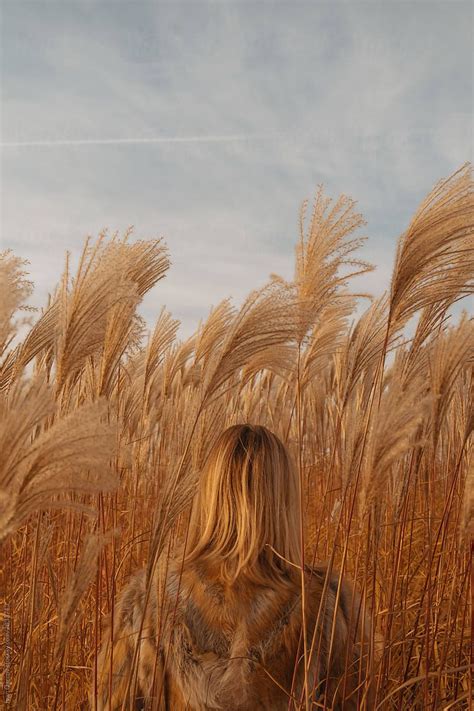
(326, 578)
(131, 598)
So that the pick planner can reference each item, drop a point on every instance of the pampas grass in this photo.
(103, 433)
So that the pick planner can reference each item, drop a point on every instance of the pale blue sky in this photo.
(209, 122)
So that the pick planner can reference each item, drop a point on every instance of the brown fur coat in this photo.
(208, 646)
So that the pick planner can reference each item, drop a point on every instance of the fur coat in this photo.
(209, 646)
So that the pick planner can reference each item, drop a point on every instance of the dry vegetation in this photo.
(103, 431)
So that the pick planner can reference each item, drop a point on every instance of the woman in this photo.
(221, 625)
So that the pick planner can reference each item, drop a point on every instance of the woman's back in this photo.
(239, 647)
(221, 624)
(223, 639)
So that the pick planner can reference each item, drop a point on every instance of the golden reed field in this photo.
(104, 431)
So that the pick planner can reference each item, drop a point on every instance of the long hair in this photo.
(245, 516)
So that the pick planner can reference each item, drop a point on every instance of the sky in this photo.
(208, 123)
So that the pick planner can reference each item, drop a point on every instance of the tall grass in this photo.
(103, 432)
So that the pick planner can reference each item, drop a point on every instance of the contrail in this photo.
(131, 141)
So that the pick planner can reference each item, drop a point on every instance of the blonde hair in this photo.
(245, 516)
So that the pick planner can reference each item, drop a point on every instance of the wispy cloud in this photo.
(231, 138)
